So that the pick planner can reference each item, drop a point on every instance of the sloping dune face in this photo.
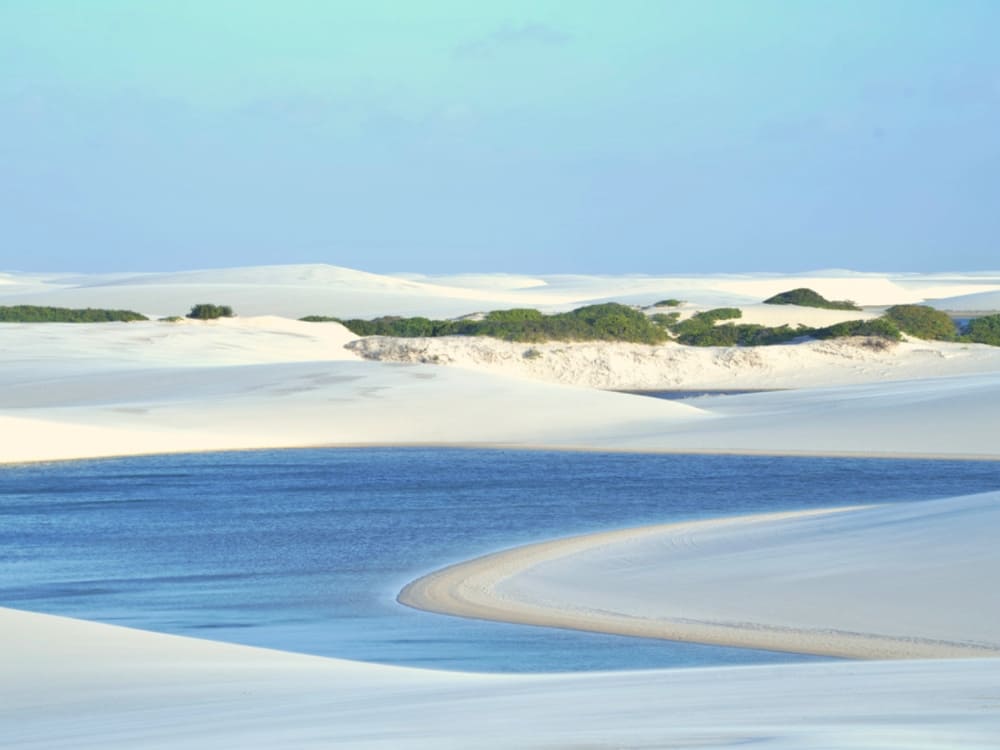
(290, 291)
(70, 391)
(86, 390)
(988, 301)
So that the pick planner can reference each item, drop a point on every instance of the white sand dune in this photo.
(290, 291)
(317, 289)
(75, 391)
(668, 367)
(864, 288)
(82, 390)
(924, 417)
(985, 301)
(897, 581)
(302, 404)
(71, 347)
(882, 576)
(478, 280)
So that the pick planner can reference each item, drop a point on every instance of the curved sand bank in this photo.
(730, 581)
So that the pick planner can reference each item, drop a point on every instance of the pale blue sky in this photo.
(636, 136)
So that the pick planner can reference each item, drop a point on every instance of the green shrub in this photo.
(729, 334)
(319, 319)
(514, 316)
(605, 322)
(697, 330)
(984, 330)
(804, 297)
(923, 322)
(668, 303)
(719, 313)
(711, 335)
(667, 320)
(615, 322)
(518, 324)
(754, 335)
(882, 328)
(394, 325)
(206, 311)
(39, 314)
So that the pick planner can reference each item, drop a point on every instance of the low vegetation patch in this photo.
(923, 322)
(667, 320)
(615, 322)
(804, 297)
(984, 330)
(701, 329)
(605, 322)
(881, 328)
(206, 311)
(730, 334)
(38, 314)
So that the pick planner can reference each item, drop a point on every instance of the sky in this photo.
(639, 136)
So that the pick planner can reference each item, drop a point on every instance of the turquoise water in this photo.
(305, 550)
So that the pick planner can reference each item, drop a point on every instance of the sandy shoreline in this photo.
(476, 589)
(535, 447)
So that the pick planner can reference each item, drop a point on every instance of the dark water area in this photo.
(306, 550)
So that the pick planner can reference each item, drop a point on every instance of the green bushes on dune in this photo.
(667, 320)
(394, 325)
(41, 314)
(882, 328)
(701, 329)
(207, 311)
(612, 321)
(984, 330)
(923, 322)
(609, 321)
(804, 297)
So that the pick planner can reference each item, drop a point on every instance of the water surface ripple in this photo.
(305, 550)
